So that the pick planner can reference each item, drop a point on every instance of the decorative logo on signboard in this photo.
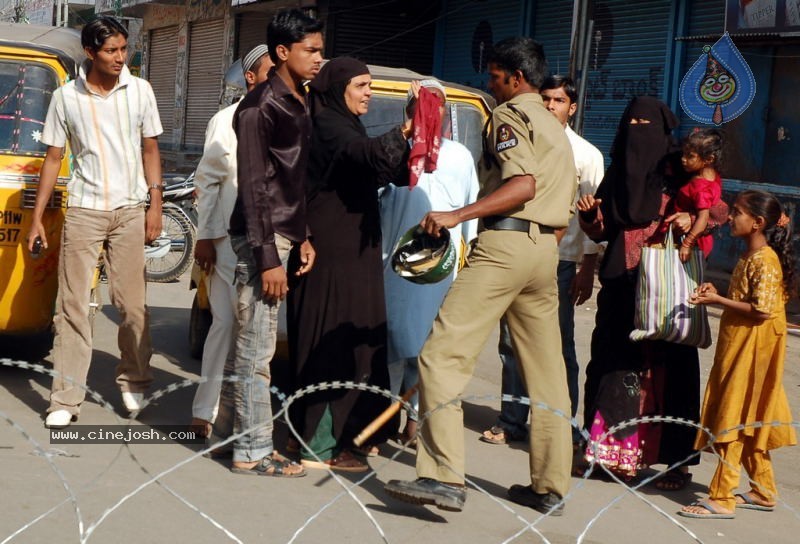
(719, 86)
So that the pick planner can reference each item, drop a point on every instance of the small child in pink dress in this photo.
(701, 154)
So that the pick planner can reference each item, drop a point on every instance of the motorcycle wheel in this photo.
(179, 230)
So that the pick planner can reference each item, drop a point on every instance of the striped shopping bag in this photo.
(663, 311)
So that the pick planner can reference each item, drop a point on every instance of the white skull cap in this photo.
(250, 58)
(430, 84)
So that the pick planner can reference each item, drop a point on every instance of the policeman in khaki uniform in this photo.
(528, 177)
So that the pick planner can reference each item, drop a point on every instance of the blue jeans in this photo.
(513, 415)
(245, 403)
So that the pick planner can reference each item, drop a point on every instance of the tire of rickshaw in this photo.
(175, 224)
(199, 324)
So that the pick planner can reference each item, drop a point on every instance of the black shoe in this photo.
(428, 491)
(546, 503)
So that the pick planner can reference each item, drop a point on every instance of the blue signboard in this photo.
(719, 86)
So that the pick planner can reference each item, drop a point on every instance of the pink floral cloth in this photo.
(622, 456)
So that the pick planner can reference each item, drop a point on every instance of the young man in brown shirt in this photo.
(273, 130)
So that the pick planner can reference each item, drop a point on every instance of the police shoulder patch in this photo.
(505, 138)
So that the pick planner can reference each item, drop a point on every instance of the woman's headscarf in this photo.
(333, 123)
(633, 184)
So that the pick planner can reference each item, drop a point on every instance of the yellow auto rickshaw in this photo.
(34, 62)
(469, 109)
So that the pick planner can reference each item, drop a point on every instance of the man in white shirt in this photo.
(410, 307)
(574, 285)
(110, 120)
(216, 182)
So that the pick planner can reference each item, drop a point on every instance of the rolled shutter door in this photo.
(204, 81)
(471, 28)
(161, 75)
(388, 33)
(626, 59)
(553, 29)
(705, 19)
(252, 30)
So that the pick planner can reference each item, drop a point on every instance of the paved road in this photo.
(109, 493)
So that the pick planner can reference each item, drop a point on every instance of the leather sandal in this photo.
(344, 462)
(673, 480)
(200, 427)
(274, 465)
(498, 435)
(367, 451)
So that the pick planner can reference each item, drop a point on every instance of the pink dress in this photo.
(698, 194)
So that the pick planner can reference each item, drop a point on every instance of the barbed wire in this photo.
(86, 528)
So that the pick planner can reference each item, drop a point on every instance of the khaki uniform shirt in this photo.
(548, 158)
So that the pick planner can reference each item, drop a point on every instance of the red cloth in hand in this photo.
(427, 138)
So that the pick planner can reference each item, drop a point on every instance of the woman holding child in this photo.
(626, 379)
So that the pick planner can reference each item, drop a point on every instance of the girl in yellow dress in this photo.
(745, 386)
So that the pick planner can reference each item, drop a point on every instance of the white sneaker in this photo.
(58, 419)
(132, 401)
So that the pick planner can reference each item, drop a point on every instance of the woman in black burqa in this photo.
(645, 169)
(336, 313)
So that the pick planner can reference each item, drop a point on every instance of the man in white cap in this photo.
(411, 308)
(216, 182)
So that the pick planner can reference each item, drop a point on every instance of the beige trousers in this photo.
(511, 273)
(84, 233)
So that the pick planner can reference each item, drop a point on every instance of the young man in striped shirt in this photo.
(110, 120)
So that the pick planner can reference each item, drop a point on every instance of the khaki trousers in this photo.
(511, 273)
(733, 456)
(83, 235)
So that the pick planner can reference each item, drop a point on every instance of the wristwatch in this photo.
(156, 186)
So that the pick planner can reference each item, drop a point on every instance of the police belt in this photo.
(498, 222)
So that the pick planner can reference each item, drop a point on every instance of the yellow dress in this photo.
(746, 382)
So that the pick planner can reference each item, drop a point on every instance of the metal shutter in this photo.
(161, 74)
(463, 58)
(705, 18)
(388, 34)
(251, 31)
(552, 27)
(204, 81)
(627, 59)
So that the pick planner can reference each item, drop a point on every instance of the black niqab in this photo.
(632, 187)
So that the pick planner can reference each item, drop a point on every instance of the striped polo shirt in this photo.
(105, 136)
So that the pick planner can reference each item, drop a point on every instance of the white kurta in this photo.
(216, 182)
(590, 167)
(410, 307)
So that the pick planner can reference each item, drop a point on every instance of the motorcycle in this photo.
(170, 255)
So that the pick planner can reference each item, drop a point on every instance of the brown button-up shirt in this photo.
(273, 130)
